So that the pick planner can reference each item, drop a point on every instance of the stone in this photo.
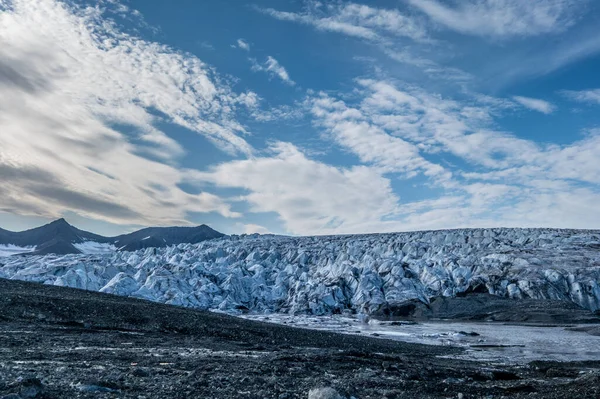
(324, 393)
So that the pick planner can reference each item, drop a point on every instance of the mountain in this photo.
(59, 237)
(164, 236)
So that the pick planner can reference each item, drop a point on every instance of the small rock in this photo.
(501, 375)
(451, 380)
(461, 396)
(31, 388)
(324, 393)
(140, 373)
(94, 388)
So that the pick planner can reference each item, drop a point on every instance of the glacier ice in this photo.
(335, 274)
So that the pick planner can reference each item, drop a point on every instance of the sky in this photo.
(300, 117)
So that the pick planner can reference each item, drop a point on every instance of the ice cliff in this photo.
(328, 274)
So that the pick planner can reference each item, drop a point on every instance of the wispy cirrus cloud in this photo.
(414, 34)
(323, 24)
(544, 36)
(273, 68)
(434, 123)
(70, 78)
(584, 96)
(356, 20)
(241, 43)
(505, 19)
(502, 19)
(540, 58)
(400, 35)
(536, 104)
(354, 130)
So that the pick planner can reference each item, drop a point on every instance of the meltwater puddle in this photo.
(494, 342)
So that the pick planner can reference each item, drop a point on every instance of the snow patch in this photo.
(92, 247)
(8, 250)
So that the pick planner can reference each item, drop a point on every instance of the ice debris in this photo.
(324, 393)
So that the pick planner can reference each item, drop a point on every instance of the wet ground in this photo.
(65, 343)
(496, 342)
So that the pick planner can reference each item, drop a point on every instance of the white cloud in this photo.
(408, 35)
(279, 113)
(206, 45)
(323, 24)
(310, 197)
(536, 59)
(274, 68)
(584, 96)
(379, 19)
(400, 36)
(571, 207)
(435, 124)
(507, 18)
(356, 20)
(255, 228)
(536, 104)
(68, 77)
(352, 130)
(539, 188)
(241, 43)
(399, 129)
(577, 161)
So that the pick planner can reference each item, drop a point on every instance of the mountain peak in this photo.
(60, 222)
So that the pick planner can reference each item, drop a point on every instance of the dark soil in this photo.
(65, 343)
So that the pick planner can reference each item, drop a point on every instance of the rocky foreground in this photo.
(59, 342)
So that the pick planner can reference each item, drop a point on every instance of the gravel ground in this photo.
(64, 343)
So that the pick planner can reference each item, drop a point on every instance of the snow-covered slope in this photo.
(10, 249)
(93, 248)
(330, 274)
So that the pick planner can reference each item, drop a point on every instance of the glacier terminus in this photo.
(335, 274)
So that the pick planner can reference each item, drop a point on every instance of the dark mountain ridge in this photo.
(164, 236)
(59, 237)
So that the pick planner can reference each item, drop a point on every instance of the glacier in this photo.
(336, 274)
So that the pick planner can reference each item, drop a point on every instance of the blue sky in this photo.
(300, 117)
